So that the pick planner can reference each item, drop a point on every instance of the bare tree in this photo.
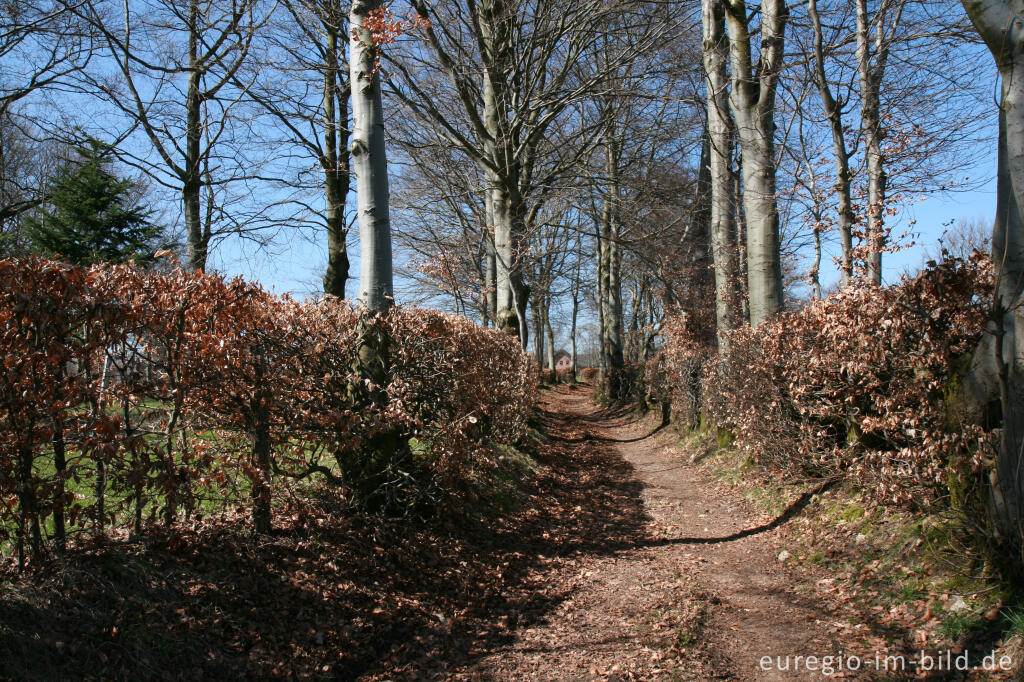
(720, 145)
(640, 128)
(753, 107)
(332, 155)
(43, 48)
(24, 165)
(897, 126)
(369, 160)
(42, 44)
(962, 239)
(177, 68)
(302, 86)
(439, 222)
(495, 79)
(834, 111)
(551, 240)
(875, 33)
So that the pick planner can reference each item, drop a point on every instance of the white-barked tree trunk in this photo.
(753, 108)
(1001, 25)
(369, 161)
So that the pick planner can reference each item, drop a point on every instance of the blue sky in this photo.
(927, 218)
(295, 262)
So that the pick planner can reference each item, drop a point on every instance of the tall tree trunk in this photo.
(816, 264)
(538, 329)
(376, 288)
(198, 237)
(575, 290)
(702, 202)
(573, 353)
(870, 68)
(492, 289)
(1001, 25)
(720, 141)
(609, 267)
(740, 240)
(490, 264)
(365, 467)
(520, 292)
(511, 294)
(834, 111)
(510, 309)
(549, 336)
(637, 296)
(753, 106)
(335, 161)
(1008, 312)
(505, 317)
(703, 277)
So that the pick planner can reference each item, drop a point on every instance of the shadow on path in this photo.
(795, 508)
(331, 594)
(592, 438)
(335, 595)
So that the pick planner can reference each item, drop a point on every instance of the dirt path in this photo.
(686, 599)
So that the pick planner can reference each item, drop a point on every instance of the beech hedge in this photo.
(128, 398)
(864, 383)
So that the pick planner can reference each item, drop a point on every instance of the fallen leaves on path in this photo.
(623, 561)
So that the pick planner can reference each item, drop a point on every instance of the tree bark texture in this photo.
(720, 143)
(335, 161)
(1001, 25)
(753, 108)
(369, 160)
(609, 272)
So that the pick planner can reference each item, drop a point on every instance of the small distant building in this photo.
(563, 361)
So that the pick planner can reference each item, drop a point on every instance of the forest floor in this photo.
(625, 557)
(693, 588)
(705, 575)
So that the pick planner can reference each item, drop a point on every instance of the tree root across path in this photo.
(682, 580)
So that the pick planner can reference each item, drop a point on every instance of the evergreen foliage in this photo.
(93, 215)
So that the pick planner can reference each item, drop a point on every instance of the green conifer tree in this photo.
(93, 216)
